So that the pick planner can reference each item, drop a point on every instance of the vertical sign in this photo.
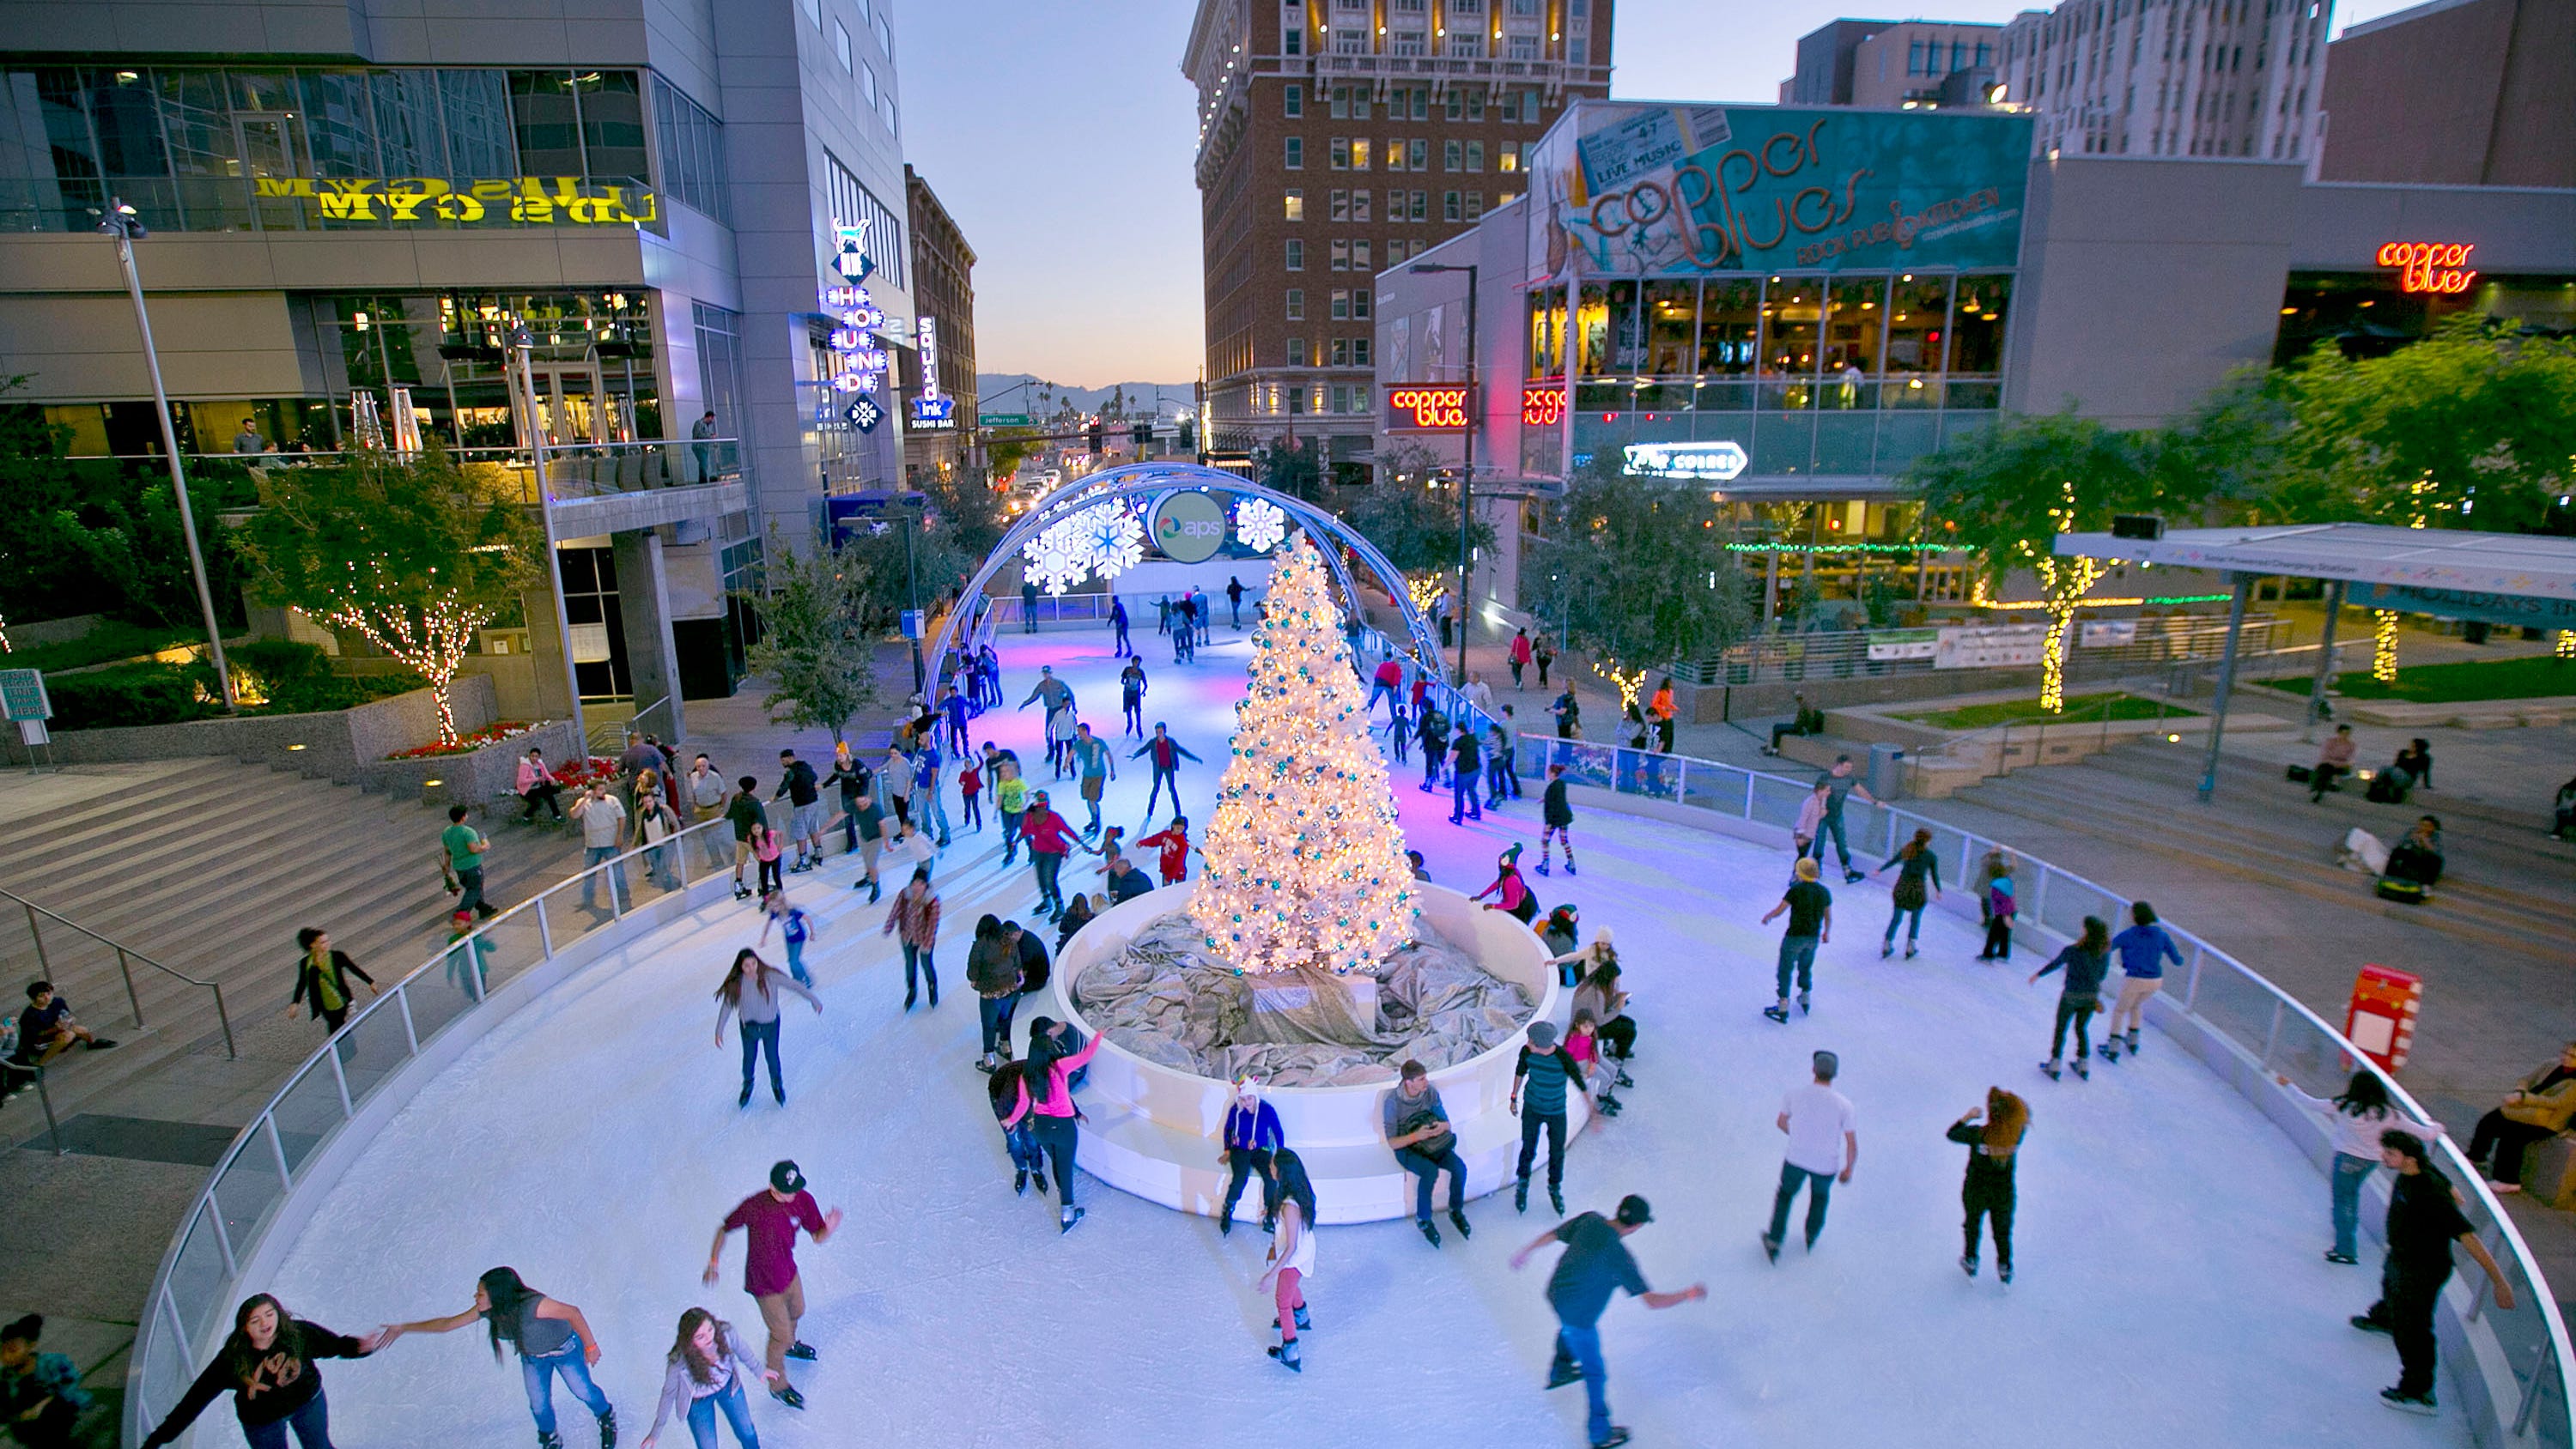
(926, 331)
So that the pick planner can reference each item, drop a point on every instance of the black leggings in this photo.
(1057, 1137)
(2078, 1010)
(1246, 1161)
(2000, 1209)
(1619, 1035)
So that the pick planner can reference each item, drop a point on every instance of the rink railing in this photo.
(2237, 1022)
(341, 1093)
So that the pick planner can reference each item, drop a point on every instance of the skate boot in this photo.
(1543, 870)
(1430, 1234)
(1802, 1003)
(1779, 1014)
(1304, 1323)
(608, 1430)
(2051, 1067)
(801, 1349)
(1037, 1180)
(1520, 1196)
(2131, 1043)
(2111, 1049)
(2082, 1071)
(1770, 1248)
(1225, 1225)
(1556, 1199)
(1968, 1264)
(1287, 1354)
(549, 1439)
(1569, 865)
(1020, 1183)
(2003, 1274)
(1458, 1220)
(1070, 1216)
(789, 1397)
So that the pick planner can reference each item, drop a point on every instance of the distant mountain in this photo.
(1020, 392)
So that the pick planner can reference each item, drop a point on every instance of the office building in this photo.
(353, 217)
(2457, 92)
(2172, 77)
(1337, 137)
(1890, 64)
(943, 293)
(1795, 355)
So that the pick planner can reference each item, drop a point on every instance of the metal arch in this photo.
(1133, 478)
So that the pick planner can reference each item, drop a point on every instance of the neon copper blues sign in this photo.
(2430, 266)
(1716, 462)
(1415, 407)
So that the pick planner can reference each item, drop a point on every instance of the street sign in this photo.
(1001, 420)
(22, 695)
(863, 413)
(912, 624)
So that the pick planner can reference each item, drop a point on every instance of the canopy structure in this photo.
(2515, 579)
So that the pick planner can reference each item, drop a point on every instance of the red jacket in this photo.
(1175, 847)
(1520, 649)
(1047, 833)
(1390, 674)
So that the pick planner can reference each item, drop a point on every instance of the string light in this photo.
(1829, 548)
(2066, 581)
(2383, 645)
(1305, 861)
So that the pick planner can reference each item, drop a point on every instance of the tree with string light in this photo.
(1305, 861)
(415, 555)
(1639, 574)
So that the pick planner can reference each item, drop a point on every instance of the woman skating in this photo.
(1292, 1257)
(1019, 1138)
(269, 1364)
(706, 1372)
(2357, 1116)
(2085, 963)
(1916, 864)
(1511, 894)
(552, 1338)
(1987, 1194)
(750, 991)
(1561, 933)
(1045, 1099)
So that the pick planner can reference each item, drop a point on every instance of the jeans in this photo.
(755, 1035)
(796, 963)
(311, 1423)
(1431, 761)
(1059, 1137)
(934, 815)
(1426, 1170)
(540, 1375)
(1245, 1161)
(2507, 1140)
(2350, 1173)
(1010, 834)
(1022, 1143)
(913, 954)
(995, 1013)
(1913, 918)
(1462, 797)
(970, 811)
(1554, 1123)
(1123, 648)
(1798, 955)
(737, 1412)
(616, 874)
(2079, 1011)
(2407, 1298)
(1820, 1193)
(471, 899)
(1832, 825)
(1050, 892)
(1579, 1347)
(1163, 777)
(657, 868)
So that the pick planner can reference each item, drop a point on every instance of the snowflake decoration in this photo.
(1110, 537)
(1259, 524)
(1055, 559)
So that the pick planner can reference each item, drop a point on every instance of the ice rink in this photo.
(2170, 1288)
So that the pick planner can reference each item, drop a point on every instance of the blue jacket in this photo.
(2144, 951)
(1256, 1130)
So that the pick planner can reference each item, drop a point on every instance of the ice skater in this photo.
(269, 1364)
(1840, 785)
(1094, 767)
(2000, 910)
(1823, 1148)
(1131, 695)
(2357, 1115)
(1387, 684)
(1466, 777)
(1583, 1043)
(2086, 961)
(1915, 866)
(1118, 626)
(1019, 1139)
(993, 969)
(1167, 755)
(1811, 924)
(1547, 1071)
(1557, 817)
(1599, 993)
(796, 926)
(1045, 1100)
(2144, 949)
(1987, 1193)
(2424, 1221)
(769, 1220)
(1511, 894)
(914, 920)
(1595, 1266)
(1431, 732)
(1050, 840)
(1173, 844)
(552, 1337)
(752, 996)
(1292, 1260)
(704, 1376)
(1253, 1138)
(1560, 933)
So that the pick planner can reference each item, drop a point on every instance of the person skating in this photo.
(1431, 732)
(1056, 695)
(1840, 785)
(1417, 1129)
(1019, 1137)
(1173, 844)
(1050, 841)
(1292, 1260)
(2001, 909)
(270, 1364)
(1811, 924)
(1252, 1136)
(796, 927)
(2534, 1111)
(1916, 865)
(1824, 1145)
(1583, 1043)
(744, 812)
(1234, 600)
(553, 1340)
(1046, 1100)
(1811, 819)
(1992, 1134)
(914, 920)
(2356, 1115)
(704, 1376)
(896, 775)
(1167, 755)
(1387, 684)
(1511, 894)
(798, 786)
(853, 781)
(321, 981)
(1561, 933)
(1131, 695)
(767, 845)
(1556, 815)
(750, 993)
(2086, 961)
(2144, 949)
(1599, 993)
(1595, 1266)
(1095, 766)
(1011, 802)
(1466, 776)
(2424, 1221)
(769, 1220)
(1118, 626)
(1546, 1071)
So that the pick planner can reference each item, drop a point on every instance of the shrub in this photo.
(129, 694)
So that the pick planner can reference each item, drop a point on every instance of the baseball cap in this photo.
(1633, 1212)
(1542, 1035)
(786, 1178)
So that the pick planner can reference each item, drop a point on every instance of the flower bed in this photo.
(580, 773)
(491, 734)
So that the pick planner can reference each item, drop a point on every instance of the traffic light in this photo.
(1143, 434)
(1096, 433)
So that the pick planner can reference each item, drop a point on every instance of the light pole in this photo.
(1467, 469)
(127, 228)
(523, 345)
(908, 515)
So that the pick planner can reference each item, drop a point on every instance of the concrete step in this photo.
(67, 840)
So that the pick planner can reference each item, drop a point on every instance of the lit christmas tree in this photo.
(1305, 862)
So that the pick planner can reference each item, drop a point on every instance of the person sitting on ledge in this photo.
(1804, 719)
(2419, 856)
(1417, 1127)
(2534, 1112)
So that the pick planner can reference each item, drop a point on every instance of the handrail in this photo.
(125, 956)
(261, 1147)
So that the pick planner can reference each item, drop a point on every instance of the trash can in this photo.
(1886, 777)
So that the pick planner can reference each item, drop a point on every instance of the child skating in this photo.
(796, 927)
(1987, 1194)
(1292, 1259)
(1558, 818)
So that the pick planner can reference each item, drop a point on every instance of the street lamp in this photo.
(523, 344)
(1467, 471)
(908, 516)
(127, 228)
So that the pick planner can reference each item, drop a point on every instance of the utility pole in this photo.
(910, 517)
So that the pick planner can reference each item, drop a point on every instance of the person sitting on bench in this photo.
(1804, 720)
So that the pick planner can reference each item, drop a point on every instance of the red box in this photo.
(2381, 1018)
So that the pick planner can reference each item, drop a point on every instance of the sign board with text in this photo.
(1426, 407)
(1887, 644)
(1990, 646)
(1188, 525)
(430, 201)
(1001, 420)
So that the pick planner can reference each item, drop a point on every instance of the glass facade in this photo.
(1841, 374)
(300, 149)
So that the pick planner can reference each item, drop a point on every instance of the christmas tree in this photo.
(1305, 862)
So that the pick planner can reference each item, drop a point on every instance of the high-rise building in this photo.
(943, 295)
(1340, 137)
(2460, 92)
(2172, 77)
(1889, 64)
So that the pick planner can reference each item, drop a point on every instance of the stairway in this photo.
(210, 867)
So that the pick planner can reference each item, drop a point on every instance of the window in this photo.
(1341, 255)
(1475, 205)
(1341, 103)
(1359, 154)
(868, 84)
(1296, 157)
(1296, 208)
(1359, 352)
(1521, 47)
(1452, 155)
(1475, 105)
(850, 201)
(1360, 305)
(1449, 206)
(1359, 206)
(1297, 394)
(1418, 155)
(1510, 105)
(1360, 255)
(1341, 305)
(1342, 398)
(1341, 352)
(1508, 156)
(1350, 40)
(841, 44)
(1475, 155)
(885, 108)
(1341, 205)
(1395, 155)
(885, 37)
(1395, 252)
(813, 12)
(692, 144)
(1422, 206)
(1360, 97)
(1341, 153)
(1408, 42)
(1296, 304)
(1977, 324)
(1394, 205)
(1296, 353)
(1296, 254)
(1292, 39)
(1293, 102)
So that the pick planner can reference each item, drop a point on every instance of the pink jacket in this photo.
(530, 772)
(1059, 1097)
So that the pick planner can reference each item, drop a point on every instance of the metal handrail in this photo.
(125, 957)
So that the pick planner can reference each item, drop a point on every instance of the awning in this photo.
(2435, 560)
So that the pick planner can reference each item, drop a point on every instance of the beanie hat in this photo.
(1542, 1036)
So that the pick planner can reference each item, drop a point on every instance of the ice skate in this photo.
(1802, 1003)
(1968, 1264)
(2111, 1050)
(1779, 1014)
(1556, 1199)
(801, 1349)
(1569, 865)
(1618, 1436)
(1287, 1355)
(1037, 1180)
(1458, 1220)
(608, 1430)
(1886, 949)
(1020, 1183)
(789, 1397)
(2003, 1274)
(2131, 1041)
(1520, 1196)
(549, 1439)
(2051, 1067)
(1430, 1234)
(2411, 1403)
(1770, 1248)
(1563, 1372)
(1064, 1224)
(1543, 870)
(2081, 1070)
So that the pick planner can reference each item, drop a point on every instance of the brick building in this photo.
(943, 293)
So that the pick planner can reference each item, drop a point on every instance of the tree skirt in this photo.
(1168, 1000)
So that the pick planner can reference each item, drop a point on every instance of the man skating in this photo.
(1840, 785)
(1822, 1149)
(1546, 1071)
(1094, 767)
(803, 791)
(1596, 1265)
(1167, 755)
(769, 1220)
(1811, 924)
(2423, 1223)
(1466, 774)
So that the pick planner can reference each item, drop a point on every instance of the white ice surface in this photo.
(2171, 1291)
